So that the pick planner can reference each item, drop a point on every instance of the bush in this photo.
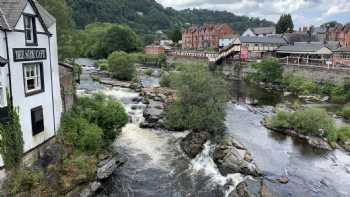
(121, 66)
(22, 180)
(201, 100)
(344, 134)
(109, 115)
(268, 70)
(313, 121)
(102, 64)
(280, 120)
(345, 112)
(79, 132)
(148, 72)
(167, 80)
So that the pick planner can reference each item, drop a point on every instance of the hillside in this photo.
(147, 16)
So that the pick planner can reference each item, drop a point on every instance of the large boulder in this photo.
(106, 168)
(194, 142)
(90, 189)
(232, 157)
(153, 112)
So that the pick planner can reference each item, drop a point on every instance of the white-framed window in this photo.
(33, 78)
(29, 29)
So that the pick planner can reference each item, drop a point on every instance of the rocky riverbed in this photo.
(159, 164)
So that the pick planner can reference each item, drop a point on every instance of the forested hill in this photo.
(149, 16)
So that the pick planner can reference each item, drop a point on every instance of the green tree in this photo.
(268, 70)
(64, 21)
(121, 66)
(120, 38)
(201, 101)
(285, 24)
(175, 34)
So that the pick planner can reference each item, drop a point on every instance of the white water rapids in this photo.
(156, 164)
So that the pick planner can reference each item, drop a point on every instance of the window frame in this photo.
(42, 84)
(36, 131)
(33, 30)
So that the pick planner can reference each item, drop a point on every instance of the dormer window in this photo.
(29, 30)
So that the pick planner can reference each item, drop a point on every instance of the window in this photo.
(29, 30)
(33, 78)
(37, 120)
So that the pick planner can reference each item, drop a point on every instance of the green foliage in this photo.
(344, 134)
(345, 112)
(148, 16)
(299, 85)
(280, 120)
(149, 72)
(285, 24)
(76, 130)
(268, 70)
(109, 115)
(311, 121)
(175, 34)
(102, 64)
(68, 44)
(22, 180)
(167, 80)
(121, 66)
(201, 101)
(11, 142)
(101, 39)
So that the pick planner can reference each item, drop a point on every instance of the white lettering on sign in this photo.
(29, 54)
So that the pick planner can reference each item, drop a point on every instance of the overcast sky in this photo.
(304, 12)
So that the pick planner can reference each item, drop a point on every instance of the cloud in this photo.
(304, 12)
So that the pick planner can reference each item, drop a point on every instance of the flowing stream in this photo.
(156, 166)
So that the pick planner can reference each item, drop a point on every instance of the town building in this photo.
(154, 50)
(341, 57)
(29, 71)
(258, 47)
(340, 33)
(304, 53)
(205, 36)
(227, 40)
(260, 31)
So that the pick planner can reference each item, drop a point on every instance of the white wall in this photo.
(248, 32)
(49, 100)
(223, 42)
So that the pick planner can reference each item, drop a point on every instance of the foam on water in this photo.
(205, 164)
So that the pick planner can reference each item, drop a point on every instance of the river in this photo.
(157, 167)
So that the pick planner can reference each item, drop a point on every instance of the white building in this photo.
(29, 71)
(227, 40)
(260, 31)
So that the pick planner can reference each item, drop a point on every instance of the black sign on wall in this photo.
(29, 54)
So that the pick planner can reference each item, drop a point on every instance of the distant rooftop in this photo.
(264, 30)
(265, 40)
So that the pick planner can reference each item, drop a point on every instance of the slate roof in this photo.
(3, 61)
(345, 49)
(302, 47)
(230, 36)
(11, 11)
(264, 40)
(264, 30)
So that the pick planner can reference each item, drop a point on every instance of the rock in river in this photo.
(194, 142)
(231, 157)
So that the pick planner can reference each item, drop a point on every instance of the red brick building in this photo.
(340, 33)
(205, 36)
(154, 50)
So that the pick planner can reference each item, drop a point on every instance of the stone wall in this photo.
(67, 83)
(316, 74)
